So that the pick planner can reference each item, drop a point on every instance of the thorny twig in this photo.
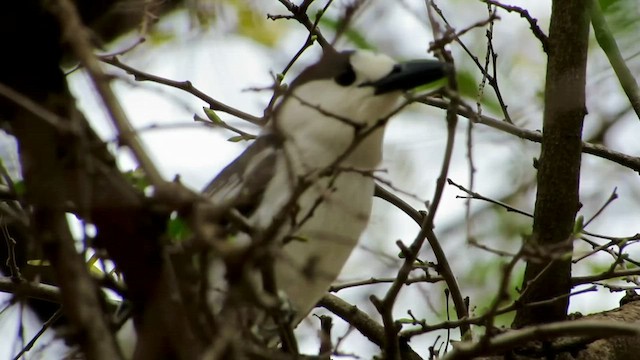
(533, 23)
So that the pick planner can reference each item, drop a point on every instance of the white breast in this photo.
(307, 267)
(332, 213)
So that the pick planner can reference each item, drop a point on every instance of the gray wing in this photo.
(241, 184)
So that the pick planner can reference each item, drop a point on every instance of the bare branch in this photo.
(78, 38)
(299, 13)
(185, 86)
(631, 162)
(533, 23)
(597, 329)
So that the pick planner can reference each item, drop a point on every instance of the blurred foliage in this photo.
(177, 229)
(623, 15)
(622, 18)
(431, 86)
(159, 37)
(596, 267)
(253, 24)
(242, 17)
(19, 187)
(511, 226)
(352, 34)
(468, 88)
(137, 178)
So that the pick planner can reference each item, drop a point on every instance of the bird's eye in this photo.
(347, 77)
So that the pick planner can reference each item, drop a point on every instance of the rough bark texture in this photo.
(550, 245)
(616, 348)
(580, 348)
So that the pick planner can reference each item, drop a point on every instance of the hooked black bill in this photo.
(410, 74)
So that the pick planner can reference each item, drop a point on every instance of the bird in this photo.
(300, 196)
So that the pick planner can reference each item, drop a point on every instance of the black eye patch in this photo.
(347, 77)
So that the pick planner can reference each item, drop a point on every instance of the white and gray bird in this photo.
(305, 185)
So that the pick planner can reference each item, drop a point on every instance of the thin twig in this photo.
(614, 254)
(481, 320)
(139, 40)
(36, 291)
(299, 13)
(184, 86)
(475, 195)
(580, 280)
(533, 23)
(493, 79)
(452, 35)
(612, 198)
(219, 123)
(373, 281)
(631, 162)
(47, 324)
(311, 38)
(78, 38)
(501, 295)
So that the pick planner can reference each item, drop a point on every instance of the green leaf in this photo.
(578, 226)
(160, 37)
(211, 115)
(177, 229)
(252, 23)
(94, 267)
(599, 268)
(604, 4)
(431, 86)
(236, 138)
(19, 187)
(38, 262)
(138, 178)
(468, 87)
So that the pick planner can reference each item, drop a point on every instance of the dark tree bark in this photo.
(548, 272)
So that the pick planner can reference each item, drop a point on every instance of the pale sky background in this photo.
(224, 65)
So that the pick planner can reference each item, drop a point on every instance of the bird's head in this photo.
(360, 85)
(348, 91)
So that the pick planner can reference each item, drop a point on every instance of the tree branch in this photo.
(631, 162)
(559, 165)
(78, 37)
